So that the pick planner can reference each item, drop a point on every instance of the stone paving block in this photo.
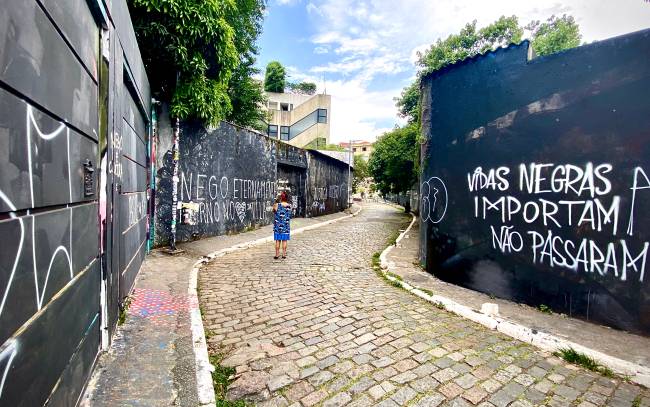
(450, 390)
(320, 377)
(403, 395)
(327, 362)
(404, 377)
(278, 382)
(466, 381)
(445, 375)
(475, 395)
(425, 384)
(363, 401)
(432, 400)
(338, 400)
(361, 385)
(382, 362)
(313, 398)
(277, 401)
(299, 390)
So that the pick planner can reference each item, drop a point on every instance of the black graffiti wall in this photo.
(536, 177)
(327, 185)
(292, 175)
(228, 172)
(57, 98)
(49, 266)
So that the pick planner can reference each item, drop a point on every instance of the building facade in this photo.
(360, 147)
(299, 119)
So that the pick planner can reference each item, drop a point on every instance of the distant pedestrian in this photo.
(281, 224)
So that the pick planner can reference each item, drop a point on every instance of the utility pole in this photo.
(349, 172)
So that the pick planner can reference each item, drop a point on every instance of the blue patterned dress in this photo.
(281, 223)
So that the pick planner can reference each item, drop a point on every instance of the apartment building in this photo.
(298, 119)
(360, 147)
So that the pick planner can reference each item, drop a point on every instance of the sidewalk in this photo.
(403, 261)
(151, 361)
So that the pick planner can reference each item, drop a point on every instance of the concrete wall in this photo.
(61, 82)
(327, 185)
(535, 175)
(234, 176)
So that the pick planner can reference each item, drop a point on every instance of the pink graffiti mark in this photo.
(158, 306)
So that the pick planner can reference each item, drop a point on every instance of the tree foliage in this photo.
(246, 93)
(392, 163)
(191, 50)
(554, 35)
(360, 171)
(275, 78)
(304, 88)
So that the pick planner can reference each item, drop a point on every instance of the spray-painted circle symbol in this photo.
(434, 198)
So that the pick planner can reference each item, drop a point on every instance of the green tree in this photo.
(189, 49)
(456, 47)
(554, 35)
(246, 93)
(275, 79)
(360, 171)
(392, 163)
(305, 88)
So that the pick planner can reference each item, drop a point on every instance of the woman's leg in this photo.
(284, 248)
(277, 248)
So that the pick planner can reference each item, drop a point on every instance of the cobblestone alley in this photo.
(321, 328)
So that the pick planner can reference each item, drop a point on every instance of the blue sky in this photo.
(363, 52)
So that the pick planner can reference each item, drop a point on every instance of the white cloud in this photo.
(372, 41)
(287, 2)
(321, 50)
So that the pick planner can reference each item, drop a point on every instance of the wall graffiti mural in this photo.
(47, 250)
(59, 107)
(538, 194)
(327, 180)
(231, 177)
(434, 200)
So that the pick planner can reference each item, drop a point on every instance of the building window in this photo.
(273, 105)
(363, 148)
(284, 107)
(354, 149)
(322, 115)
(284, 133)
(273, 131)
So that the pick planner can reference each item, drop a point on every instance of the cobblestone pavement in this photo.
(321, 328)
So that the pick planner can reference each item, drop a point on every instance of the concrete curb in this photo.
(204, 368)
(550, 343)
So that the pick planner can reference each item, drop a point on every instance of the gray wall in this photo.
(535, 178)
(234, 176)
(51, 80)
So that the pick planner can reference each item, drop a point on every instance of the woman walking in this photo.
(281, 225)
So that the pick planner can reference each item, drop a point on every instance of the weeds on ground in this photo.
(439, 305)
(221, 379)
(395, 276)
(545, 309)
(637, 401)
(426, 291)
(376, 262)
(124, 308)
(392, 240)
(572, 356)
